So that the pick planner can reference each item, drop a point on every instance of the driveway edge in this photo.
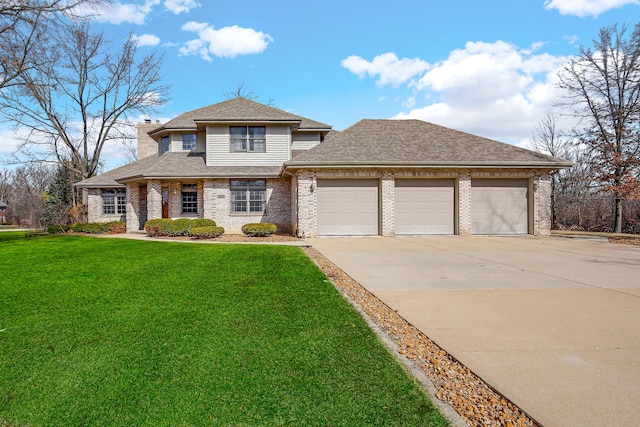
(461, 395)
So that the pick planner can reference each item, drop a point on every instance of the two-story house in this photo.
(239, 161)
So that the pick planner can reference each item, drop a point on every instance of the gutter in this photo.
(448, 165)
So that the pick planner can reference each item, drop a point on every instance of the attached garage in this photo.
(348, 207)
(499, 206)
(424, 206)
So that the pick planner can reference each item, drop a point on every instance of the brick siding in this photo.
(214, 200)
(539, 203)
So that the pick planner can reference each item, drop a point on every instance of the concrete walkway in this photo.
(552, 323)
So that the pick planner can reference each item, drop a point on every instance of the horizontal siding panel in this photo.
(277, 148)
(305, 140)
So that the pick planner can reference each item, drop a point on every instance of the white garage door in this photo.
(424, 206)
(499, 206)
(347, 207)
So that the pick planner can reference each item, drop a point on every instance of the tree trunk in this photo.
(554, 203)
(618, 214)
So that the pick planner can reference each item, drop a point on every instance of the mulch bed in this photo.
(635, 241)
(476, 402)
(239, 238)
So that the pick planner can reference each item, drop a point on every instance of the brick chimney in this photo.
(147, 146)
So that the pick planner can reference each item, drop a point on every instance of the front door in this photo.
(165, 203)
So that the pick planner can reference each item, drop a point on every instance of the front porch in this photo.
(199, 198)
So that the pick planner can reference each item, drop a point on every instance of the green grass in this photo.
(108, 332)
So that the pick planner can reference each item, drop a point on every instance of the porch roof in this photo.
(175, 165)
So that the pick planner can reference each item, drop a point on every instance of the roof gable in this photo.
(239, 110)
(417, 143)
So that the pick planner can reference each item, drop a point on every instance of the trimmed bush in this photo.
(259, 229)
(117, 227)
(177, 227)
(113, 227)
(57, 229)
(202, 222)
(156, 227)
(209, 232)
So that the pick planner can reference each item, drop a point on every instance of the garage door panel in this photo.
(424, 206)
(347, 207)
(499, 206)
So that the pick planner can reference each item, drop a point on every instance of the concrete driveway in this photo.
(552, 323)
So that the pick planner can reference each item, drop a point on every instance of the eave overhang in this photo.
(293, 165)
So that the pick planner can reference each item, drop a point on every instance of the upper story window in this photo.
(165, 144)
(114, 201)
(189, 142)
(248, 139)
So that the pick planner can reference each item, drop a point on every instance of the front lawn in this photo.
(120, 332)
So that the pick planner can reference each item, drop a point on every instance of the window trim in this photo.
(245, 142)
(249, 189)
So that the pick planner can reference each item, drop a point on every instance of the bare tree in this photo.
(603, 89)
(25, 192)
(241, 91)
(6, 178)
(24, 30)
(549, 139)
(81, 97)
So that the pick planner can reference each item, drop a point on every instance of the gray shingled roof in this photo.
(239, 110)
(418, 144)
(183, 165)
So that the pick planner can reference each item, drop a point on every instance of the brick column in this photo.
(94, 205)
(542, 205)
(154, 199)
(133, 207)
(200, 187)
(175, 199)
(464, 204)
(307, 205)
(388, 205)
(208, 199)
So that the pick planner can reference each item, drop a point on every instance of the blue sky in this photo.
(483, 67)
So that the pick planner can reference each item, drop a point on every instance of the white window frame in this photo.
(247, 142)
(189, 145)
(114, 201)
(248, 196)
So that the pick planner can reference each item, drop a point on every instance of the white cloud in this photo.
(572, 39)
(9, 142)
(119, 13)
(492, 89)
(389, 69)
(147, 40)
(180, 6)
(227, 42)
(584, 8)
